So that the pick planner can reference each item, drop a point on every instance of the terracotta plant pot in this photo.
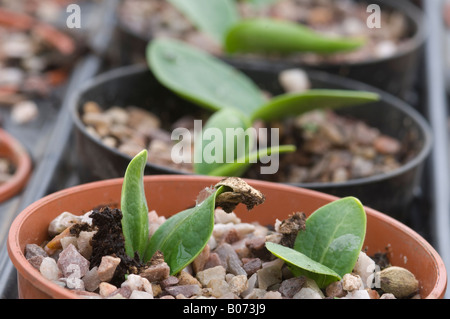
(11, 149)
(404, 246)
(391, 192)
(395, 73)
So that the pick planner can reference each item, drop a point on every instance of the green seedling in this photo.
(134, 206)
(184, 235)
(221, 20)
(237, 102)
(329, 246)
(273, 36)
(326, 250)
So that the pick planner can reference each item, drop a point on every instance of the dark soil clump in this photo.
(382, 260)
(109, 240)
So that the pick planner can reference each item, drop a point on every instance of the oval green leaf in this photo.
(291, 104)
(201, 78)
(276, 36)
(301, 264)
(225, 138)
(134, 206)
(334, 235)
(184, 235)
(212, 17)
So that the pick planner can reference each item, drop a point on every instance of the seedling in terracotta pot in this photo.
(320, 251)
(236, 101)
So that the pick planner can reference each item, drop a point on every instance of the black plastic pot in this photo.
(135, 85)
(395, 74)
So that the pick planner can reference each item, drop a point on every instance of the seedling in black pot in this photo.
(236, 101)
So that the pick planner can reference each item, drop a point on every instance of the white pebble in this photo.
(351, 282)
(17, 46)
(61, 222)
(136, 294)
(24, 112)
(84, 243)
(221, 217)
(49, 269)
(273, 295)
(385, 49)
(387, 296)
(365, 268)
(307, 293)
(136, 282)
(86, 218)
(66, 241)
(294, 80)
(11, 76)
(309, 283)
(357, 294)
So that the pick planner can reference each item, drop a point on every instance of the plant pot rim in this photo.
(401, 105)
(22, 162)
(31, 274)
(413, 43)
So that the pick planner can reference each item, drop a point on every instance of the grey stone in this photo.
(72, 263)
(291, 286)
(32, 250)
(229, 257)
(91, 279)
(185, 290)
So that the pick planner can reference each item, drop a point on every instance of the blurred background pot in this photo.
(390, 192)
(403, 246)
(16, 155)
(391, 70)
(39, 55)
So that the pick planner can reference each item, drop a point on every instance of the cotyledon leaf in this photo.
(263, 35)
(301, 264)
(291, 104)
(334, 235)
(134, 206)
(184, 235)
(225, 137)
(226, 147)
(202, 78)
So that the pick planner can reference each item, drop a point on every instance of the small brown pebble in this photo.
(335, 289)
(387, 145)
